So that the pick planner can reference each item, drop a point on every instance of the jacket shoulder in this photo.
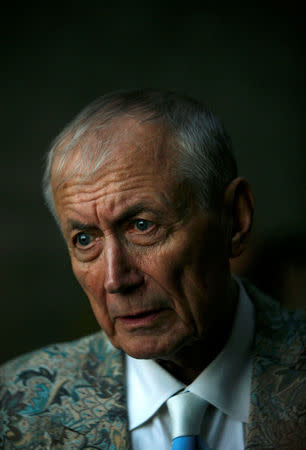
(48, 392)
(59, 357)
(280, 333)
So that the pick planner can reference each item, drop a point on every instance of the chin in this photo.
(148, 348)
(142, 351)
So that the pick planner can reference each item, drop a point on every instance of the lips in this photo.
(142, 318)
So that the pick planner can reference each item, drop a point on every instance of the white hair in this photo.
(204, 148)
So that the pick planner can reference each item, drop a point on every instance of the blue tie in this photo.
(186, 412)
(189, 443)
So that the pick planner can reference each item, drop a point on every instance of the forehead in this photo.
(123, 140)
(139, 147)
(141, 161)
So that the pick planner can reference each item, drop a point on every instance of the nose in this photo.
(121, 275)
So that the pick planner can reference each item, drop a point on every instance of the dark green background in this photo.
(248, 64)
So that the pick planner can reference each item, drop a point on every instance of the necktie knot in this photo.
(186, 412)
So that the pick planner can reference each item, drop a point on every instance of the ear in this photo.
(239, 207)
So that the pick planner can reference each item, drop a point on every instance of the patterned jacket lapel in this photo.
(278, 404)
(97, 402)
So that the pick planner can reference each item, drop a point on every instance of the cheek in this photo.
(186, 269)
(170, 267)
(89, 276)
(85, 277)
(92, 283)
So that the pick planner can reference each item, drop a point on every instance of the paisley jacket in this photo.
(72, 395)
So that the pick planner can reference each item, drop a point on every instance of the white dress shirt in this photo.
(225, 383)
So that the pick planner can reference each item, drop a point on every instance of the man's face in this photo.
(153, 266)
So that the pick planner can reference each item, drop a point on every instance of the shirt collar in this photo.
(149, 386)
(225, 383)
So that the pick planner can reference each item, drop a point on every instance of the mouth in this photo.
(142, 319)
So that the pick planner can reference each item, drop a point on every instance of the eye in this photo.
(83, 239)
(142, 224)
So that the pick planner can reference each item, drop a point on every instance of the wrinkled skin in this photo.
(153, 265)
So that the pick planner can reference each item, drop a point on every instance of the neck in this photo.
(193, 358)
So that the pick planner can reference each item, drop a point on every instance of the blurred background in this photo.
(247, 64)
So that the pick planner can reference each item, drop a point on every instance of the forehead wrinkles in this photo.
(97, 146)
(142, 165)
(94, 203)
(109, 188)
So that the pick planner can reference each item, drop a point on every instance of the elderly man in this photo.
(144, 187)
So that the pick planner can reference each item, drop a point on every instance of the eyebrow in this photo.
(75, 225)
(127, 214)
(137, 209)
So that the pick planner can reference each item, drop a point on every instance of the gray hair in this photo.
(204, 148)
